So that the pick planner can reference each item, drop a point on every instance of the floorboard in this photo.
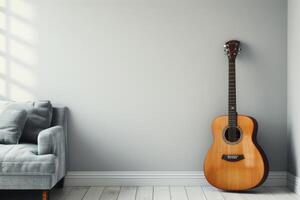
(263, 194)
(195, 193)
(161, 193)
(144, 193)
(178, 193)
(282, 193)
(93, 193)
(110, 193)
(232, 195)
(212, 193)
(77, 193)
(60, 193)
(127, 193)
(153, 193)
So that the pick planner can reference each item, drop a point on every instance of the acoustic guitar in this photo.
(235, 161)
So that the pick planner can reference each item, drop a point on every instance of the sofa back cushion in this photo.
(12, 122)
(39, 116)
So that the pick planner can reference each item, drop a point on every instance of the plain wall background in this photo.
(143, 79)
(293, 86)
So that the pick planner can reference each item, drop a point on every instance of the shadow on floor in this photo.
(20, 195)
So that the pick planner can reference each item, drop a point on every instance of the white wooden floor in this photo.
(169, 193)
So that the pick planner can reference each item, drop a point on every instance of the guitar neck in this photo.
(232, 111)
(232, 49)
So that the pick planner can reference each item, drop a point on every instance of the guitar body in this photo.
(232, 173)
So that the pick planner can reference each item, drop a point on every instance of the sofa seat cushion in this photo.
(22, 159)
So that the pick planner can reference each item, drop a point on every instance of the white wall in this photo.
(293, 86)
(144, 78)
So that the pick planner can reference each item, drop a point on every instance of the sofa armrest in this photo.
(51, 141)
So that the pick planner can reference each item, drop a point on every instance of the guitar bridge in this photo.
(232, 158)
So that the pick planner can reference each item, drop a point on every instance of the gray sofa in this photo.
(41, 166)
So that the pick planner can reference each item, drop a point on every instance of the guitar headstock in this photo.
(232, 49)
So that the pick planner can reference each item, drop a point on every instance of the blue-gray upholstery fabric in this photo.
(36, 166)
(60, 118)
(27, 182)
(39, 118)
(24, 159)
(11, 125)
(52, 141)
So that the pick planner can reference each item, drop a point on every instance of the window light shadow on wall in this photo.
(18, 58)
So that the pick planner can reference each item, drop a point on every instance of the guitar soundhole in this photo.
(232, 134)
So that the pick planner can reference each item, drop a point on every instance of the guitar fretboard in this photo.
(232, 115)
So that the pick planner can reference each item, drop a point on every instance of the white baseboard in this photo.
(293, 183)
(139, 178)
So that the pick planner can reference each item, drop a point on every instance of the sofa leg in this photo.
(60, 184)
(45, 195)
